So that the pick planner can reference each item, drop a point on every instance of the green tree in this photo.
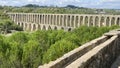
(58, 49)
(32, 54)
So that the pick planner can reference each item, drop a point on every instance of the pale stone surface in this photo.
(95, 58)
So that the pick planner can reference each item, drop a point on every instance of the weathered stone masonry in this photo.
(35, 21)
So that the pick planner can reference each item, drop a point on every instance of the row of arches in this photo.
(34, 27)
(67, 20)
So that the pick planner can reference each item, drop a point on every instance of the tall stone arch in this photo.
(86, 20)
(72, 22)
(108, 21)
(34, 27)
(26, 26)
(91, 21)
(61, 20)
(81, 20)
(96, 21)
(39, 26)
(118, 21)
(55, 28)
(57, 20)
(113, 20)
(22, 24)
(49, 27)
(76, 21)
(29, 26)
(69, 21)
(65, 20)
(44, 27)
(18, 23)
(102, 21)
(62, 28)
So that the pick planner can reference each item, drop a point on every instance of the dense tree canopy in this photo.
(29, 50)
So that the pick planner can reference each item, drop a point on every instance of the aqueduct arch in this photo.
(35, 21)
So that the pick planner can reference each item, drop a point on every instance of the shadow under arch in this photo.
(43, 28)
(69, 29)
(22, 24)
(91, 21)
(102, 21)
(96, 21)
(113, 21)
(76, 21)
(26, 26)
(108, 21)
(29, 25)
(118, 21)
(18, 23)
(81, 20)
(39, 27)
(86, 21)
(34, 27)
(55, 28)
(49, 28)
(62, 28)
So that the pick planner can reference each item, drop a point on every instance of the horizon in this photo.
(99, 4)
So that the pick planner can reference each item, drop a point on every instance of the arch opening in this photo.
(107, 21)
(49, 28)
(118, 21)
(81, 20)
(55, 28)
(91, 21)
(113, 21)
(34, 27)
(96, 21)
(102, 22)
(44, 28)
(86, 20)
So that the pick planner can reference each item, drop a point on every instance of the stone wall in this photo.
(101, 56)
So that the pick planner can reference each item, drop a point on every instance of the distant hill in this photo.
(31, 5)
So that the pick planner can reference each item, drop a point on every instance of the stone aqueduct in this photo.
(98, 53)
(35, 21)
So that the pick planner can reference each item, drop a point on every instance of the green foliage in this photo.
(29, 50)
(32, 54)
(7, 25)
(58, 49)
(19, 37)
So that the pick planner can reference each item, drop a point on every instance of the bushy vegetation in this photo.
(29, 50)
(6, 25)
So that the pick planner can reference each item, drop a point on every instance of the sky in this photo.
(111, 4)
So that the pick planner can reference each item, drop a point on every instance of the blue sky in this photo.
(114, 4)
